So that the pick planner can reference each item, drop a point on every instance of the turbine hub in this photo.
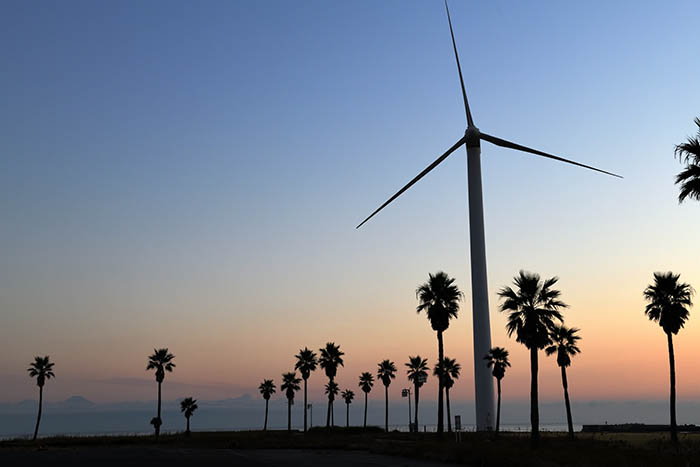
(473, 137)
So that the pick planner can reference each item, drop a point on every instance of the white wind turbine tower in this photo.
(480, 304)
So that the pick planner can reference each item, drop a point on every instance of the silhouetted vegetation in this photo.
(418, 375)
(449, 370)
(347, 396)
(331, 358)
(366, 383)
(497, 359)
(386, 371)
(161, 361)
(564, 345)
(689, 178)
(306, 363)
(187, 406)
(41, 369)
(290, 385)
(266, 388)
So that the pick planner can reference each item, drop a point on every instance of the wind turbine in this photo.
(480, 304)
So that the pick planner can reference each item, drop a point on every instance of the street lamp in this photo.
(407, 393)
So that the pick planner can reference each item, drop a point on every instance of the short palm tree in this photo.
(161, 361)
(187, 407)
(449, 371)
(497, 358)
(386, 371)
(41, 369)
(564, 345)
(347, 396)
(331, 391)
(306, 363)
(331, 357)
(689, 178)
(417, 374)
(266, 388)
(669, 303)
(533, 308)
(290, 385)
(366, 383)
(439, 298)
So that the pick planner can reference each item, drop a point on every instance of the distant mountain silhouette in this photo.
(75, 402)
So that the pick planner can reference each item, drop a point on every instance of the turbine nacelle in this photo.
(473, 137)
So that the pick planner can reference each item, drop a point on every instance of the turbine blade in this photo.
(437, 161)
(518, 147)
(470, 122)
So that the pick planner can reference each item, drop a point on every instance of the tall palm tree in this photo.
(564, 345)
(332, 390)
(449, 371)
(386, 372)
(498, 359)
(306, 363)
(439, 298)
(669, 303)
(266, 388)
(417, 374)
(161, 361)
(187, 407)
(42, 369)
(366, 383)
(348, 396)
(533, 308)
(689, 178)
(331, 358)
(290, 385)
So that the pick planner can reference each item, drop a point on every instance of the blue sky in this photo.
(191, 173)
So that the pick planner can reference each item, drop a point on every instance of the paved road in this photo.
(171, 457)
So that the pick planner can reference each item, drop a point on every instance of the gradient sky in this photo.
(189, 175)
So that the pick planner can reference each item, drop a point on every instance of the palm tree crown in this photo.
(386, 371)
(42, 369)
(188, 406)
(290, 384)
(564, 344)
(689, 178)
(348, 396)
(417, 370)
(161, 361)
(669, 301)
(452, 371)
(331, 358)
(439, 298)
(498, 359)
(306, 362)
(366, 381)
(533, 307)
(267, 388)
(332, 390)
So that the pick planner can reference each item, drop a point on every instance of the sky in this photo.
(190, 176)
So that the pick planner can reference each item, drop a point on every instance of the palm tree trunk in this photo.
(347, 416)
(267, 403)
(305, 406)
(440, 426)
(498, 406)
(364, 424)
(386, 409)
(534, 409)
(38, 416)
(672, 365)
(447, 399)
(188, 426)
(160, 421)
(328, 416)
(289, 415)
(416, 415)
(566, 401)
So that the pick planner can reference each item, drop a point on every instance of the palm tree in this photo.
(366, 383)
(306, 363)
(449, 371)
(331, 358)
(417, 374)
(386, 372)
(348, 396)
(498, 359)
(266, 388)
(42, 369)
(439, 298)
(668, 305)
(290, 384)
(187, 407)
(161, 361)
(564, 345)
(689, 178)
(332, 390)
(534, 307)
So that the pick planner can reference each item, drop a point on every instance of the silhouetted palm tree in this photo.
(564, 345)
(331, 358)
(498, 359)
(306, 363)
(187, 407)
(534, 307)
(417, 374)
(449, 370)
(290, 385)
(42, 369)
(161, 361)
(267, 388)
(332, 390)
(366, 383)
(439, 298)
(689, 178)
(386, 372)
(668, 305)
(348, 396)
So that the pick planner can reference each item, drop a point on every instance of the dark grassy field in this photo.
(649, 449)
